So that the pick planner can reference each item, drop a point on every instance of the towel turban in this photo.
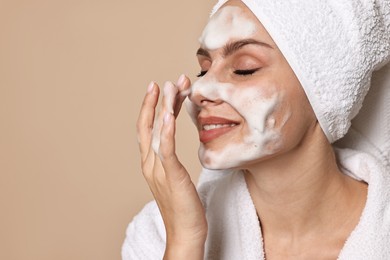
(333, 47)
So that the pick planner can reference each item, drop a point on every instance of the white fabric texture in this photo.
(234, 229)
(370, 130)
(337, 49)
(333, 47)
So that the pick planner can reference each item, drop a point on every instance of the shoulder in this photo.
(145, 235)
(371, 237)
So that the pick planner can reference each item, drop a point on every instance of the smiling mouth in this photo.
(214, 127)
(217, 126)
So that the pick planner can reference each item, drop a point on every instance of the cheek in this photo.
(300, 119)
(257, 107)
(265, 111)
(260, 134)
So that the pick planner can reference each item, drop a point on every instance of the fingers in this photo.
(146, 119)
(170, 91)
(171, 185)
(152, 128)
(172, 101)
(167, 170)
(183, 85)
(173, 98)
(170, 97)
(172, 167)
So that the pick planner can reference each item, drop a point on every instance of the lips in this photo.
(213, 127)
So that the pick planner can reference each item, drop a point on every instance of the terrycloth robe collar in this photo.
(234, 229)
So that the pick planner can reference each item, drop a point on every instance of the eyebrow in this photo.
(232, 47)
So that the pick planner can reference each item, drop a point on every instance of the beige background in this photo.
(72, 77)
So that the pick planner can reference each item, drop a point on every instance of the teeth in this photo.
(214, 126)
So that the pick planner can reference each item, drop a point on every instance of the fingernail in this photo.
(168, 84)
(185, 93)
(167, 117)
(181, 80)
(150, 87)
(169, 89)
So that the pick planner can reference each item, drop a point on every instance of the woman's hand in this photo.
(176, 196)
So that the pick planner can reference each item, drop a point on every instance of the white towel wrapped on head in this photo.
(333, 46)
(370, 130)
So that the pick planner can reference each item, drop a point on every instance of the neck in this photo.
(302, 192)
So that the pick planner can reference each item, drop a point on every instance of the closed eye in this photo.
(245, 72)
(238, 72)
(202, 73)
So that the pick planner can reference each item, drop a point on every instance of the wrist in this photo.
(185, 251)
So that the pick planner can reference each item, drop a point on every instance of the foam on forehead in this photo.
(228, 23)
(333, 47)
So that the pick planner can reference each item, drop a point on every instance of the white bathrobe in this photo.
(234, 229)
(334, 48)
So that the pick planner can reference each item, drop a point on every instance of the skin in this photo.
(259, 104)
(307, 207)
(181, 209)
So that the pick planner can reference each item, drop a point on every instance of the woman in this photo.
(279, 83)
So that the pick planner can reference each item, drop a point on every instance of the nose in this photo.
(204, 93)
(199, 99)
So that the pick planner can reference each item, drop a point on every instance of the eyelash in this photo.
(202, 73)
(237, 72)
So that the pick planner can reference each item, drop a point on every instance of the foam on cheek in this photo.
(229, 22)
(261, 136)
(203, 89)
(261, 139)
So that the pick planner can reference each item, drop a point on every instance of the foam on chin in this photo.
(261, 138)
(257, 108)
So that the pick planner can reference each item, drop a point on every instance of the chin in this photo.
(236, 157)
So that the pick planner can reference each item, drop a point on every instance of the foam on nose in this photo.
(261, 135)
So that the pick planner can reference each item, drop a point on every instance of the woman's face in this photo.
(248, 104)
